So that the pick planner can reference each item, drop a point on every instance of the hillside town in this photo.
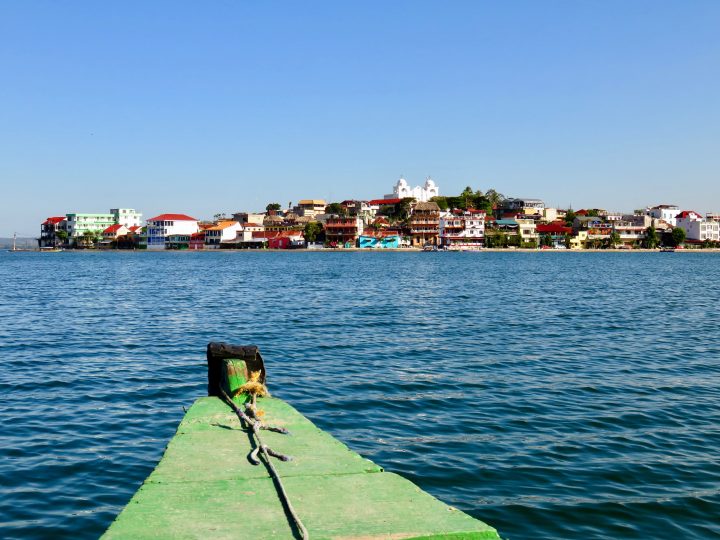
(408, 218)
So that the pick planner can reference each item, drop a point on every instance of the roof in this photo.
(222, 225)
(380, 202)
(506, 222)
(314, 202)
(688, 214)
(113, 228)
(135, 228)
(54, 220)
(172, 217)
(557, 227)
(430, 205)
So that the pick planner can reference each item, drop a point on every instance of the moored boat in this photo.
(233, 471)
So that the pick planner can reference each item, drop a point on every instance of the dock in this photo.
(206, 487)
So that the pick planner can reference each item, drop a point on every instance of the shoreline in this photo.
(369, 250)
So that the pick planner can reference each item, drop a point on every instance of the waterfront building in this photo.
(597, 231)
(159, 228)
(310, 207)
(113, 231)
(462, 229)
(556, 233)
(696, 228)
(285, 239)
(665, 212)
(197, 241)
(343, 230)
(79, 225)
(127, 217)
(49, 229)
(527, 228)
(422, 193)
(424, 224)
(630, 233)
(223, 232)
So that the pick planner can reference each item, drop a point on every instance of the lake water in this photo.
(552, 395)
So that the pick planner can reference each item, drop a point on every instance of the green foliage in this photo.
(570, 217)
(398, 213)
(651, 239)
(568, 240)
(593, 212)
(677, 236)
(442, 202)
(614, 239)
(546, 240)
(314, 232)
(336, 208)
(61, 235)
(273, 207)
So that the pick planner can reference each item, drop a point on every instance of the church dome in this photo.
(429, 183)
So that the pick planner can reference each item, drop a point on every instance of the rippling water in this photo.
(552, 395)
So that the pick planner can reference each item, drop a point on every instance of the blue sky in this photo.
(205, 107)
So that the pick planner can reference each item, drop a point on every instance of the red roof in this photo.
(135, 228)
(172, 217)
(112, 228)
(379, 202)
(687, 214)
(557, 227)
(53, 220)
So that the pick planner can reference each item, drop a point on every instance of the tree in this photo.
(568, 240)
(468, 197)
(614, 239)
(62, 236)
(335, 208)
(651, 239)
(677, 236)
(546, 240)
(442, 202)
(219, 217)
(494, 197)
(314, 232)
(273, 207)
(88, 238)
(570, 216)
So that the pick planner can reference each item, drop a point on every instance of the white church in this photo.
(422, 193)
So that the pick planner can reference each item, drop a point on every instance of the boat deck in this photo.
(204, 486)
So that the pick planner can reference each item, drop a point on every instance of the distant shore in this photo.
(367, 250)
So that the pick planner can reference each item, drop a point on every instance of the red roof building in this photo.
(172, 217)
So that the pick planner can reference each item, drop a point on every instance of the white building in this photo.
(79, 224)
(164, 225)
(127, 217)
(462, 230)
(421, 193)
(696, 228)
(666, 212)
(224, 231)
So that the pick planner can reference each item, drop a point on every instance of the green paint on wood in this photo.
(234, 376)
(204, 486)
